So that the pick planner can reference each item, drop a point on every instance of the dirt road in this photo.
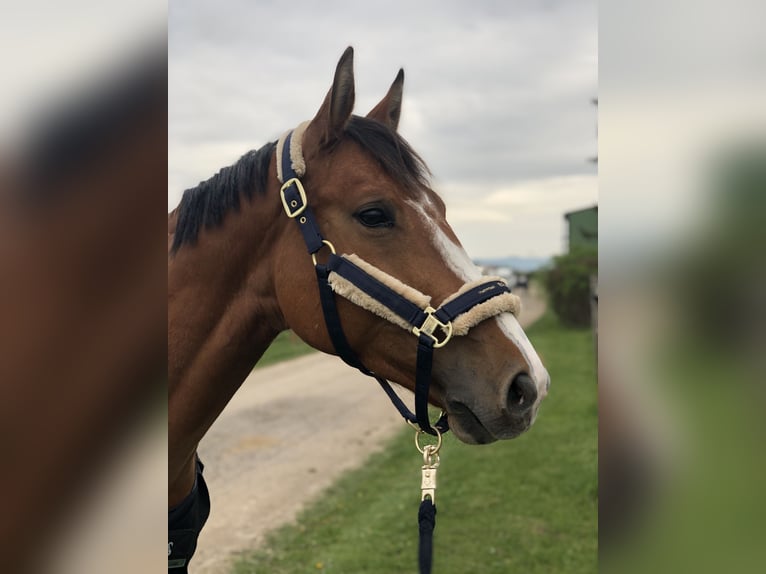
(289, 432)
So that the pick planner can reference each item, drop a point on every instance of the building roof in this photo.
(570, 213)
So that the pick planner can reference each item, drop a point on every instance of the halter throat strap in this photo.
(371, 288)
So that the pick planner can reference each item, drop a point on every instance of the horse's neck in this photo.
(222, 316)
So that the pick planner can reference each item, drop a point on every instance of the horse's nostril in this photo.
(522, 394)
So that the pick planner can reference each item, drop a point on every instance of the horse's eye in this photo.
(375, 217)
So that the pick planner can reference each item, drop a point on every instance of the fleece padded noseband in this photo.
(500, 302)
(373, 289)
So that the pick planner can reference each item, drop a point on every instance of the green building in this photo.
(583, 227)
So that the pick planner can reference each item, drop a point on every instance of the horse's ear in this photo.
(332, 117)
(390, 107)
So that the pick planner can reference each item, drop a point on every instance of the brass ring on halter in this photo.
(432, 449)
(332, 250)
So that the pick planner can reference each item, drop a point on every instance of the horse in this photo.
(248, 258)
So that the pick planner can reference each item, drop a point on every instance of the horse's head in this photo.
(370, 196)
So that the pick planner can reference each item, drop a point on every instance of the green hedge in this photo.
(568, 285)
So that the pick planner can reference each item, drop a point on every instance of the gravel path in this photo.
(287, 434)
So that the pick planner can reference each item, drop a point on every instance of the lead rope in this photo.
(427, 511)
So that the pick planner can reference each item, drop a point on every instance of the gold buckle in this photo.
(430, 324)
(293, 210)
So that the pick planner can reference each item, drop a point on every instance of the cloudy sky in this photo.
(496, 98)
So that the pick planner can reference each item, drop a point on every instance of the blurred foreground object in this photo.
(82, 301)
(682, 129)
(682, 398)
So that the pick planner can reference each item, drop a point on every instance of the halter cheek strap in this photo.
(378, 292)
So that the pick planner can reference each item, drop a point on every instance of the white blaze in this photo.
(458, 260)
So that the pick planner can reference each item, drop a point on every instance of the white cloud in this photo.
(536, 196)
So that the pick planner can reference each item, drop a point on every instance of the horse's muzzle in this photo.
(514, 414)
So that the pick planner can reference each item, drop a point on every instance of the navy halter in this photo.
(433, 327)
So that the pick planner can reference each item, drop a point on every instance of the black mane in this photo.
(208, 203)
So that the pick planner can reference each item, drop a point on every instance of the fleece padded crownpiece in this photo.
(296, 151)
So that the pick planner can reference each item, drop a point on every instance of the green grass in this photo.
(526, 505)
(286, 346)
